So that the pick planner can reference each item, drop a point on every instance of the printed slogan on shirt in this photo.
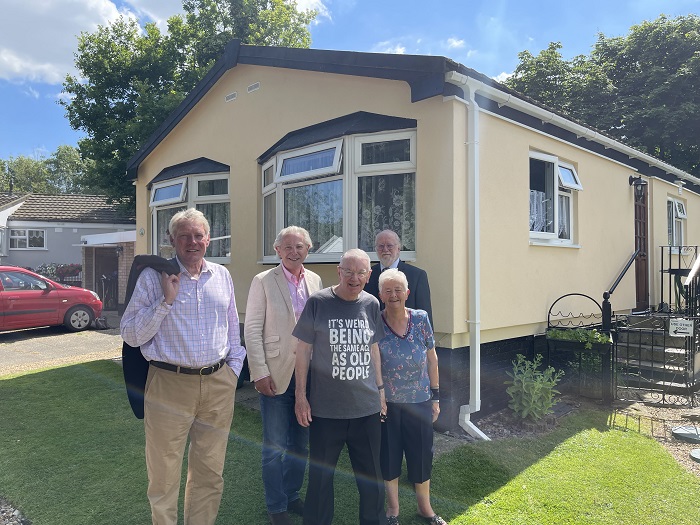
(350, 343)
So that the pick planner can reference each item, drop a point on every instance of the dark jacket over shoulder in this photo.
(134, 364)
(419, 298)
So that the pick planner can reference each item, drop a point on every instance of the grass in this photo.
(71, 453)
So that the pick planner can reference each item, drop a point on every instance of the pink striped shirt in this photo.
(199, 329)
(297, 290)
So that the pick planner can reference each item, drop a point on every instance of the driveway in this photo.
(25, 350)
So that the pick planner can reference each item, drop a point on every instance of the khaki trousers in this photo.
(178, 406)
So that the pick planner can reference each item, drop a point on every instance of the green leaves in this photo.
(642, 88)
(532, 389)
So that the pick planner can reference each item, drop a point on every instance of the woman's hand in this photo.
(436, 410)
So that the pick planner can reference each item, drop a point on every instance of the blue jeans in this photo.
(284, 452)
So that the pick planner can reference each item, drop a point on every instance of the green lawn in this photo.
(71, 453)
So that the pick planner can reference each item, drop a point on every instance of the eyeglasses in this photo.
(349, 273)
(381, 247)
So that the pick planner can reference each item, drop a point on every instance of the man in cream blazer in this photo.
(275, 302)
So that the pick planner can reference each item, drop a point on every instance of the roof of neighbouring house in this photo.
(68, 208)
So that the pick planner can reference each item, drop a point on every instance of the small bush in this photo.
(588, 336)
(532, 390)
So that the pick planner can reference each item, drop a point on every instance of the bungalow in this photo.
(505, 203)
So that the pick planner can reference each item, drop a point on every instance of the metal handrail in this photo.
(622, 274)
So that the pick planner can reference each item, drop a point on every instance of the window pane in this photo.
(319, 209)
(165, 249)
(310, 161)
(564, 230)
(269, 223)
(386, 151)
(168, 192)
(387, 202)
(18, 233)
(212, 187)
(678, 232)
(219, 228)
(669, 220)
(36, 238)
(541, 196)
(18, 242)
(268, 175)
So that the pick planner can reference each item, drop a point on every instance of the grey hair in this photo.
(393, 234)
(393, 274)
(356, 253)
(293, 230)
(188, 215)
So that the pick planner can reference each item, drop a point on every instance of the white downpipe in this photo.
(473, 259)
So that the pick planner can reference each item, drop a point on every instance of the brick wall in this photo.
(126, 258)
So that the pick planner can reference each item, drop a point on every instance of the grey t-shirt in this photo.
(342, 377)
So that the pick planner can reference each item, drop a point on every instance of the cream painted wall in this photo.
(520, 281)
(237, 132)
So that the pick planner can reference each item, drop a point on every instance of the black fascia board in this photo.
(191, 167)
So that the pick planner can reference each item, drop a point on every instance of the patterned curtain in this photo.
(387, 202)
(317, 207)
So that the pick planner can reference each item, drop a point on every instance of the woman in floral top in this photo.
(410, 374)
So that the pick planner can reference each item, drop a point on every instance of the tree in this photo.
(63, 172)
(642, 88)
(131, 79)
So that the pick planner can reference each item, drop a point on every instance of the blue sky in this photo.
(38, 40)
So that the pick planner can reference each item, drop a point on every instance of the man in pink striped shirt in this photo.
(187, 327)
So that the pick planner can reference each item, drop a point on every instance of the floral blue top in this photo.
(405, 360)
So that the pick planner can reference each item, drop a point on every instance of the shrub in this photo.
(59, 271)
(532, 390)
(588, 336)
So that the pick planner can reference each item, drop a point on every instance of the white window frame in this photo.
(327, 170)
(189, 198)
(166, 184)
(560, 182)
(26, 238)
(679, 219)
(360, 140)
(349, 169)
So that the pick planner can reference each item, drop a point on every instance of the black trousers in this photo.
(326, 440)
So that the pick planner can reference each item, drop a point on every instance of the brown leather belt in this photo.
(204, 371)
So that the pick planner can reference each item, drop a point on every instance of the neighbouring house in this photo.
(38, 229)
(508, 205)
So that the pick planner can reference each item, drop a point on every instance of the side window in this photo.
(554, 185)
(675, 211)
(28, 239)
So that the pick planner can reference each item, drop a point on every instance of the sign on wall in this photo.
(680, 327)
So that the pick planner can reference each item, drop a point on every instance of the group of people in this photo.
(352, 364)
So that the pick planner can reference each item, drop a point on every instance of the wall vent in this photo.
(253, 87)
(231, 96)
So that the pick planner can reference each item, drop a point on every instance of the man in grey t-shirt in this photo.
(340, 327)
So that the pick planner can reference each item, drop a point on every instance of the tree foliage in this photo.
(130, 78)
(63, 172)
(642, 88)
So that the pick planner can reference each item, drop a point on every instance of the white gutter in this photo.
(473, 258)
(506, 99)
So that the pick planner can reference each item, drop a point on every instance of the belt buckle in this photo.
(201, 370)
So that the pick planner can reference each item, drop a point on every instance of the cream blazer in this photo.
(269, 321)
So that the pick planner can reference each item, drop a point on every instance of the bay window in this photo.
(343, 191)
(209, 193)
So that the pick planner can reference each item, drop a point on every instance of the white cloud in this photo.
(502, 77)
(454, 43)
(389, 47)
(317, 5)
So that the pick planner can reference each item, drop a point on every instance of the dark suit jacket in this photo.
(134, 365)
(418, 299)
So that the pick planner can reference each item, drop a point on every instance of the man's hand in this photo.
(170, 285)
(302, 409)
(266, 386)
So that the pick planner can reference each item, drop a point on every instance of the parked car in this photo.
(29, 300)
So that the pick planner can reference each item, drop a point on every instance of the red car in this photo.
(28, 300)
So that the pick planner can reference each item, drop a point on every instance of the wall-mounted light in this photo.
(680, 184)
(119, 250)
(639, 186)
